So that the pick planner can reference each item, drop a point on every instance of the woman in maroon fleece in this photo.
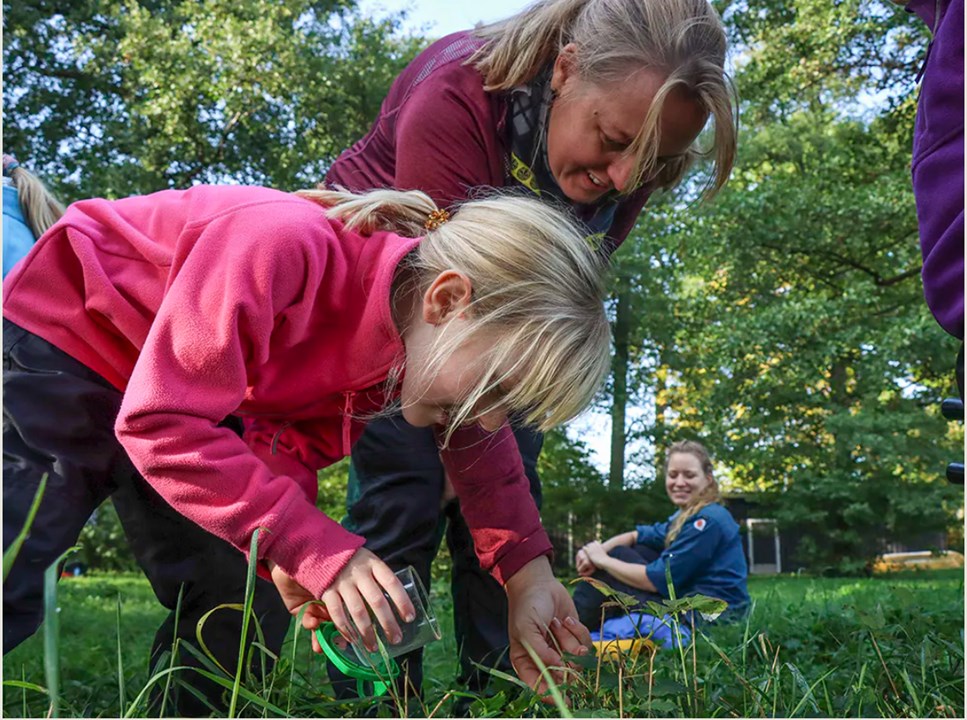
(134, 328)
(592, 104)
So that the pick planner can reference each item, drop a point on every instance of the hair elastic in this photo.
(9, 164)
(436, 219)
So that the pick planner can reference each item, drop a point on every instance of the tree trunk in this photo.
(619, 371)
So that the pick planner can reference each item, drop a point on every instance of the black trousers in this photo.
(395, 490)
(58, 418)
(588, 600)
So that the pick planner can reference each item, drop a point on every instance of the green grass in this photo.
(812, 647)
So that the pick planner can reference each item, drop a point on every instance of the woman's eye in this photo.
(612, 145)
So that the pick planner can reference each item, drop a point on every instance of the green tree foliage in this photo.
(103, 544)
(119, 97)
(578, 499)
(803, 351)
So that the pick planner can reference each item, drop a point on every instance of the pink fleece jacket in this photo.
(246, 301)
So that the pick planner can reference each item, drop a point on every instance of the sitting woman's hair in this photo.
(708, 496)
(40, 208)
(684, 40)
(538, 292)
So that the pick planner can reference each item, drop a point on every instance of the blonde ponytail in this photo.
(706, 497)
(40, 208)
(403, 212)
(538, 292)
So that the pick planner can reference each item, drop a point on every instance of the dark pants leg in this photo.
(589, 600)
(396, 486)
(46, 430)
(59, 419)
(209, 572)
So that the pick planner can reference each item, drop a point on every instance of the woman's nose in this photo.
(619, 171)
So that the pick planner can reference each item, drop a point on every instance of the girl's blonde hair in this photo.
(538, 293)
(682, 39)
(40, 208)
(708, 496)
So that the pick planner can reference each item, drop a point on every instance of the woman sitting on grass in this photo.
(699, 546)
(136, 330)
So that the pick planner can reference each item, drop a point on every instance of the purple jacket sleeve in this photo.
(488, 475)
(938, 162)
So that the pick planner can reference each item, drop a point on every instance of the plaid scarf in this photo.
(527, 113)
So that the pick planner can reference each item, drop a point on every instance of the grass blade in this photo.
(121, 692)
(551, 685)
(10, 554)
(24, 685)
(52, 639)
(808, 690)
(253, 559)
(52, 631)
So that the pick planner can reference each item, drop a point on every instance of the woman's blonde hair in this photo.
(707, 496)
(40, 208)
(538, 293)
(682, 39)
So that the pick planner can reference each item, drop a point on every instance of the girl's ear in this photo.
(565, 65)
(448, 295)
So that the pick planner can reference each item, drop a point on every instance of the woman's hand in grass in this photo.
(542, 616)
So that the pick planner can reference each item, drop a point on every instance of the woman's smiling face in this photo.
(684, 478)
(590, 127)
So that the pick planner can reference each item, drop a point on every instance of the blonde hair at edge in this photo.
(537, 287)
(40, 208)
(708, 496)
(683, 39)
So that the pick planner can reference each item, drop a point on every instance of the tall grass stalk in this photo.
(122, 699)
(10, 554)
(52, 639)
(253, 559)
(174, 650)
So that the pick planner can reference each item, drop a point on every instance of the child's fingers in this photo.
(373, 595)
(392, 585)
(359, 613)
(337, 612)
(314, 615)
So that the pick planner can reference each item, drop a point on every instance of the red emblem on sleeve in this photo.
(699, 524)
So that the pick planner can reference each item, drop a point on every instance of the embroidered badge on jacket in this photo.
(699, 524)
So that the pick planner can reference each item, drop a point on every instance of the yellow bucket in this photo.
(613, 649)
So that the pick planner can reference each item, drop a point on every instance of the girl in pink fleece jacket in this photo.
(136, 330)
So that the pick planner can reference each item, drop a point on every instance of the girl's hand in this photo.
(357, 591)
(542, 616)
(360, 592)
(596, 554)
(295, 598)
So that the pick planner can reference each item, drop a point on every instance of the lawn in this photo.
(813, 647)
